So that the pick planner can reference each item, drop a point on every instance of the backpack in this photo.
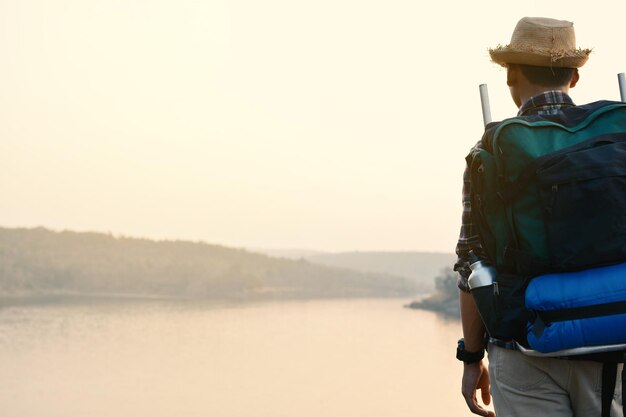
(548, 195)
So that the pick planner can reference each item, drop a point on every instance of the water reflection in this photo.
(302, 359)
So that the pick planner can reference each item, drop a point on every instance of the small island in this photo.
(446, 298)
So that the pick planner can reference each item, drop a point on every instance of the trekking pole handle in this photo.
(484, 102)
(622, 86)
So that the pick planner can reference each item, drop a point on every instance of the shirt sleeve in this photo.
(468, 238)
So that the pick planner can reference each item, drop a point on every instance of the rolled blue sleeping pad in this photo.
(594, 298)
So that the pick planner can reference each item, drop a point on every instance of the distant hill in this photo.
(421, 267)
(39, 262)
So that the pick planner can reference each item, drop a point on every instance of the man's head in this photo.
(525, 81)
(546, 76)
(542, 55)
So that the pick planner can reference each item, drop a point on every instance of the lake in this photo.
(344, 358)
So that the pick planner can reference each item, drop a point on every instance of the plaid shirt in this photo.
(549, 102)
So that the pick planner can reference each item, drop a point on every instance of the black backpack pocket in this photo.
(510, 312)
(583, 196)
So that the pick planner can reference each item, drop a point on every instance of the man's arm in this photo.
(475, 375)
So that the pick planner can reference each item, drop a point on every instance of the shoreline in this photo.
(71, 298)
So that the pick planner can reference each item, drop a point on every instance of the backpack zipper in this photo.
(555, 190)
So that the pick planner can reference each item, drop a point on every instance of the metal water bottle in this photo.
(484, 288)
(482, 273)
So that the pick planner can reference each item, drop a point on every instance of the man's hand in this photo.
(476, 377)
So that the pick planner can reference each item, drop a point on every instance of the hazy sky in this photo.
(332, 125)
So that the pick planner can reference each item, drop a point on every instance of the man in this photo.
(542, 63)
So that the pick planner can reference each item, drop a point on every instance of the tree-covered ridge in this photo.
(40, 262)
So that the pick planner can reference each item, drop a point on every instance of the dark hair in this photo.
(547, 76)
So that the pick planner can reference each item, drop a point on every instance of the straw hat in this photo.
(542, 42)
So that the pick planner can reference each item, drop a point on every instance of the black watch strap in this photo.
(468, 357)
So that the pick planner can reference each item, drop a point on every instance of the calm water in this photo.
(344, 358)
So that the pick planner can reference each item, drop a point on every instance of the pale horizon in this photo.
(330, 126)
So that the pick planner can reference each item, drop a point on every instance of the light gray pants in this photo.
(548, 387)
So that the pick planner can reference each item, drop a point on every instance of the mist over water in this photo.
(344, 358)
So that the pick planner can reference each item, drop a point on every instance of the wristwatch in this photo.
(468, 357)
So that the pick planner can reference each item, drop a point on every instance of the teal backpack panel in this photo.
(506, 200)
(489, 211)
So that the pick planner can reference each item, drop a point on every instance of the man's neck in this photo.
(533, 90)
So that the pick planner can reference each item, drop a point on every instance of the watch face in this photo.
(460, 350)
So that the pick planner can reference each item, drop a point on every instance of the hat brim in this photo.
(504, 55)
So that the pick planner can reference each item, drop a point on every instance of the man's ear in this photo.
(511, 74)
(574, 79)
